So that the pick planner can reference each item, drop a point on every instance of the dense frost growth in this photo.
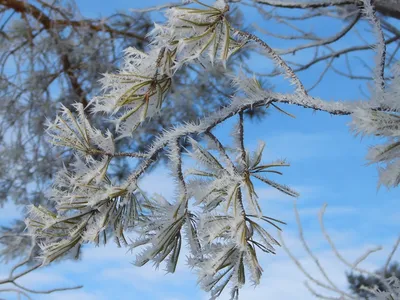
(394, 283)
(383, 122)
(138, 90)
(215, 209)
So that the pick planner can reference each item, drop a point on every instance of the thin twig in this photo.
(342, 259)
(308, 250)
(279, 61)
(395, 247)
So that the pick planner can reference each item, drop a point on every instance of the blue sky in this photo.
(327, 165)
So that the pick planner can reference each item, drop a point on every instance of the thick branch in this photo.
(25, 8)
(390, 8)
(73, 79)
(206, 124)
(305, 5)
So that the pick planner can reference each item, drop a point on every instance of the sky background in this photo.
(327, 165)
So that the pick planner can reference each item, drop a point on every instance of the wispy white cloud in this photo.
(44, 278)
(105, 253)
(333, 210)
(78, 295)
(144, 278)
(318, 145)
(295, 146)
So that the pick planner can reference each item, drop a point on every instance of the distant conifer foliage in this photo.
(356, 281)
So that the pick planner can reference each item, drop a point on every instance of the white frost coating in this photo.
(138, 90)
(394, 283)
(238, 104)
(76, 132)
(160, 232)
(380, 49)
(384, 123)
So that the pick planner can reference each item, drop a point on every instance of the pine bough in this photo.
(216, 210)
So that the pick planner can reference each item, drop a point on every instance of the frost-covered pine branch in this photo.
(215, 210)
(51, 67)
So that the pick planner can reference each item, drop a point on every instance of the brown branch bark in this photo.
(24, 7)
(73, 79)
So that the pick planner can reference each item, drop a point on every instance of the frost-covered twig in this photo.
(395, 247)
(330, 285)
(379, 77)
(312, 4)
(12, 286)
(307, 248)
(353, 266)
(289, 73)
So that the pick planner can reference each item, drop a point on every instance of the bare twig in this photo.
(23, 290)
(395, 247)
(278, 60)
(342, 294)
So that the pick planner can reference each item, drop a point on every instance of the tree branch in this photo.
(47, 22)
